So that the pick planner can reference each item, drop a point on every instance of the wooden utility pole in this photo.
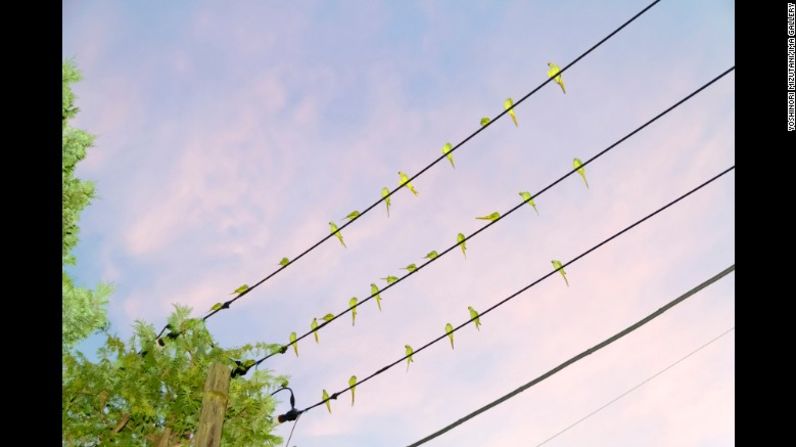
(214, 405)
(164, 438)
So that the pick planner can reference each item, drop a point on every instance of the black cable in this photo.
(513, 295)
(226, 304)
(284, 348)
(583, 354)
(639, 385)
(287, 444)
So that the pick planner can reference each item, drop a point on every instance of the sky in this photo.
(228, 135)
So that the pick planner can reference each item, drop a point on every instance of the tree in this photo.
(139, 390)
(84, 310)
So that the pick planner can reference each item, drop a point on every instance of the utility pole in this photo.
(214, 405)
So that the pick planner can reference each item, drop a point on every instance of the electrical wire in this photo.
(228, 303)
(284, 348)
(583, 354)
(639, 385)
(515, 294)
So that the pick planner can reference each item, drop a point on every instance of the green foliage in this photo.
(129, 399)
(84, 310)
(163, 388)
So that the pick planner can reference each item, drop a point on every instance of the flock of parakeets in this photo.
(447, 149)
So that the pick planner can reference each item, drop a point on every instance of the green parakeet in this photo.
(284, 261)
(293, 342)
(240, 289)
(352, 304)
(384, 192)
(352, 215)
(526, 196)
(491, 216)
(462, 244)
(325, 398)
(577, 164)
(431, 255)
(557, 265)
(352, 382)
(374, 291)
(327, 317)
(447, 151)
(474, 317)
(410, 268)
(337, 233)
(216, 307)
(552, 72)
(508, 105)
(405, 179)
(390, 279)
(484, 121)
(409, 352)
(449, 332)
(314, 328)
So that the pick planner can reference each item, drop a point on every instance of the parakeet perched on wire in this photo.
(325, 397)
(410, 268)
(431, 255)
(352, 215)
(484, 121)
(384, 193)
(577, 164)
(409, 352)
(336, 232)
(462, 244)
(552, 72)
(293, 342)
(526, 196)
(327, 317)
(508, 104)
(449, 332)
(558, 266)
(314, 328)
(352, 382)
(474, 317)
(374, 291)
(352, 304)
(405, 179)
(216, 307)
(390, 279)
(491, 216)
(284, 261)
(240, 289)
(447, 151)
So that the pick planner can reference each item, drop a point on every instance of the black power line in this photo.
(284, 348)
(583, 354)
(639, 385)
(226, 304)
(515, 294)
